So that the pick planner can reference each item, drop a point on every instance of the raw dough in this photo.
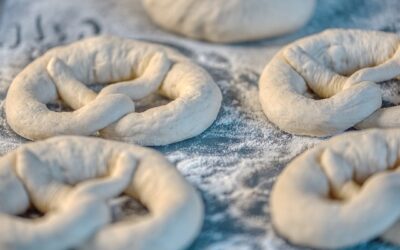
(230, 20)
(71, 178)
(343, 192)
(136, 69)
(340, 67)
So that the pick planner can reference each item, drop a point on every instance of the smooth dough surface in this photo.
(230, 20)
(343, 192)
(129, 70)
(70, 179)
(324, 84)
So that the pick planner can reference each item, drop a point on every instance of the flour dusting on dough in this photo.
(235, 162)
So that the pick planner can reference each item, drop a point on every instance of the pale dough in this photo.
(230, 20)
(343, 192)
(133, 70)
(341, 69)
(71, 178)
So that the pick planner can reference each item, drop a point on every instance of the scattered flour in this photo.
(236, 161)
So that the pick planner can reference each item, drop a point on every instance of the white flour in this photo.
(235, 162)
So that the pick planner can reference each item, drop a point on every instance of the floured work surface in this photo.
(235, 162)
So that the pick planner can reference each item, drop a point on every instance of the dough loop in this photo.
(230, 20)
(71, 178)
(135, 70)
(326, 83)
(343, 192)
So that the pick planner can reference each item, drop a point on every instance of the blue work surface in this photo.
(236, 161)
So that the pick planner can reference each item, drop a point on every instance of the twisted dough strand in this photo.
(133, 70)
(348, 185)
(342, 69)
(70, 179)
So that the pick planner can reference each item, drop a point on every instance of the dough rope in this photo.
(71, 178)
(342, 69)
(343, 192)
(230, 20)
(136, 69)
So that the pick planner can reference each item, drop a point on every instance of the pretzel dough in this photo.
(343, 192)
(58, 176)
(230, 20)
(340, 67)
(136, 69)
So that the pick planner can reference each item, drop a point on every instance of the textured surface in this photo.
(229, 20)
(324, 84)
(348, 185)
(235, 162)
(104, 60)
(72, 178)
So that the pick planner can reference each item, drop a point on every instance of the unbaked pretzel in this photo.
(341, 67)
(136, 69)
(343, 192)
(71, 178)
(230, 20)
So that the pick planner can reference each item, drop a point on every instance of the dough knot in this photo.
(342, 192)
(128, 70)
(73, 181)
(323, 84)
